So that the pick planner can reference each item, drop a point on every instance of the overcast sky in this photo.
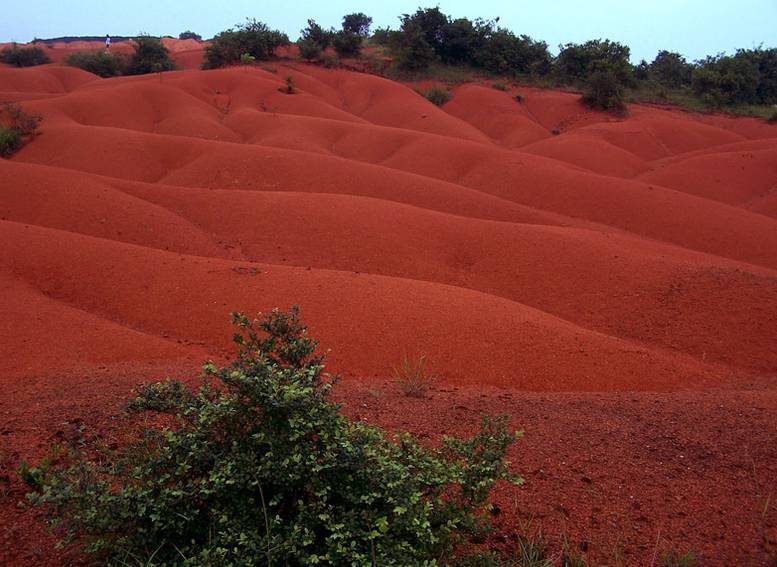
(695, 28)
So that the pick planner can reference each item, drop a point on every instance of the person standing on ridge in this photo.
(107, 42)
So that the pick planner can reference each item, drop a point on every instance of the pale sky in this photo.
(695, 28)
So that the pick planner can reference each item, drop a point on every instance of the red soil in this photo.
(613, 286)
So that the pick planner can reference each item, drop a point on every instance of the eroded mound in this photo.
(636, 253)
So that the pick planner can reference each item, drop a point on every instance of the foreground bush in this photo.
(150, 56)
(253, 37)
(100, 63)
(15, 126)
(259, 468)
(24, 56)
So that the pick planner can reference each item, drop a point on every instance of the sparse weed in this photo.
(414, 376)
(675, 559)
(289, 88)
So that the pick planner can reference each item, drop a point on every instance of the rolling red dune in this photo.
(538, 253)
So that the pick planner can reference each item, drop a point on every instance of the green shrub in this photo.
(347, 44)
(15, 125)
(24, 56)
(437, 96)
(247, 59)
(150, 56)
(253, 37)
(604, 92)
(309, 49)
(413, 376)
(190, 35)
(100, 63)
(10, 141)
(258, 467)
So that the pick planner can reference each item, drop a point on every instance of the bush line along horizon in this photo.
(428, 37)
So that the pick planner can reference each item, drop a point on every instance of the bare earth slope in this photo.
(620, 259)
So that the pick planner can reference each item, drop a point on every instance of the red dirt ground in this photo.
(613, 287)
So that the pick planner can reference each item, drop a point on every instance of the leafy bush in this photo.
(24, 56)
(150, 56)
(309, 49)
(437, 96)
(358, 24)
(190, 35)
(604, 92)
(247, 59)
(100, 63)
(347, 44)
(253, 37)
(259, 468)
(413, 376)
(15, 125)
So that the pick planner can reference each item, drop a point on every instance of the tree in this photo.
(412, 50)
(505, 53)
(577, 62)
(671, 70)
(190, 35)
(358, 24)
(431, 23)
(315, 33)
